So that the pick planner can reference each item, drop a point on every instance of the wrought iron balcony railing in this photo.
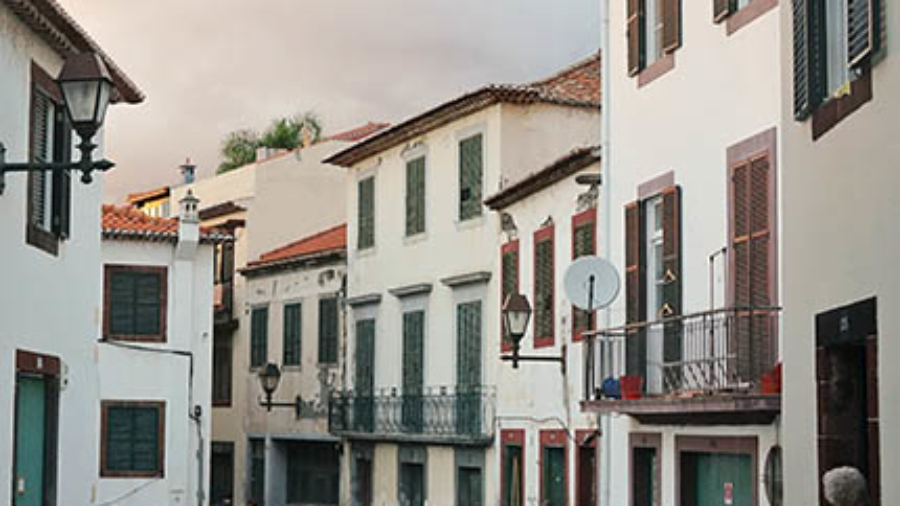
(457, 414)
(730, 350)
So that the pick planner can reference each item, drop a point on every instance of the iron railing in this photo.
(435, 413)
(724, 350)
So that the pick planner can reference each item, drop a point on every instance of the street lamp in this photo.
(86, 87)
(516, 315)
(269, 377)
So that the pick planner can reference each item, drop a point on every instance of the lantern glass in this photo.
(516, 314)
(269, 378)
(86, 86)
(81, 99)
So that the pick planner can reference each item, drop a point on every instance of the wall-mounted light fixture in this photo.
(269, 377)
(86, 87)
(516, 315)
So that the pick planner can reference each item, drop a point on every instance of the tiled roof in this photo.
(359, 133)
(576, 86)
(54, 25)
(126, 222)
(557, 171)
(333, 240)
(140, 197)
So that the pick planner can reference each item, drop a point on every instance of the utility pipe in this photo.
(606, 221)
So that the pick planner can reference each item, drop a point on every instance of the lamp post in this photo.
(269, 377)
(516, 315)
(86, 88)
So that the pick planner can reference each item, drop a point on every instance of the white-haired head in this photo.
(845, 486)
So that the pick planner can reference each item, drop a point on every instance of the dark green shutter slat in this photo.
(584, 245)
(147, 304)
(62, 180)
(118, 439)
(470, 174)
(861, 34)
(121, 308)
(366, 213)
(293, 325)
(328, 330)
(544, 288)
(510, 279)
(810, 50)
(259, 336)
(415, 196)
(146, 443)
(132, 439)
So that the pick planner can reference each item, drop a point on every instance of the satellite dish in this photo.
(589, 276)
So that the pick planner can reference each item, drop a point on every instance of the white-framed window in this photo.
(654, 247)
(653, 30)
(837, 53)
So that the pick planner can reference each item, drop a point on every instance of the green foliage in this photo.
(239, 147)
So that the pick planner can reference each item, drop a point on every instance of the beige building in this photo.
(419, 414)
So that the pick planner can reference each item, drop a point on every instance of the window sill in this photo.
(469, 223)
(363, 253)
(42, 239)
(410, 240)
(128, 338)
(221, 404)
(544, 342)
(748, 14)
(292, 368)
(658, 69)
(833, 111)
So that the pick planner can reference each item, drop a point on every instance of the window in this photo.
(646, 469)
(328, 330)
(415, 196)
(739, 13)
(468, 367)
(584, 243)
(543, 287)
(49, 193)
(471, 174)
(836, 42)
(259, 336)
(361, 474)
(554, 479)
(222, 474)
(135, 303)
(257, 492)
(586, 467)
(312, 473)
(469, 477)
(411, 482)
(35, 423)
(413, 370)
(222, 370)
(364, 376)
(717, 466)
(293, 330)
(512, 472)
(509, 284)
(133, 439)
(654, 32)
(366, 213)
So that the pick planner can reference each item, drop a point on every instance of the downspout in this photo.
(606, 222)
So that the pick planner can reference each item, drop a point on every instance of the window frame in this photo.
(646, 440)
(408, 160)
(370, 242)
(585, 439)
(460, 139)
(253, 310)
(511, 246)
(554, 438)
(109, 270)
(736, 17)
(297, 363)
(160, 407)
(662, 64)
(544, 234)
(586, 217)
(337, 330)
(220, 345)
(512, 438)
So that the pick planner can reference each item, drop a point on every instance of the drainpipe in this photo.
(606, 221)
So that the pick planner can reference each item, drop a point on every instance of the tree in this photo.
(238, 149)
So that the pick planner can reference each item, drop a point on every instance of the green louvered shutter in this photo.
(583, 244)
(293, 325)
(366, 213)
(364, 407)
(328, 330)
(810, 50)
(413, 369)
(543, 287)
(471, 173)
(132, 439)
(259, 336)
(509, 279)
(121, 306)
(468, 367)
(415, 196)
(135, 303)
(863, 30)
(60, 210)
(147, 304)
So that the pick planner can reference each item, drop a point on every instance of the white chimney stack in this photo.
(188, 226)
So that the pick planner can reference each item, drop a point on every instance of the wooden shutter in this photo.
(41, 109)
(413, 352)
(365, 356)
(722, 9)
(509, 283)
(62, 180)
(672, 288)
(543, 287)
(366, 213)
(135, 302)
(293, 324)
(468, 322)
(809, 57)
(470, 176)
(635, 296)
(415, 196)
(121, 305)
(862, 30)
(328, 330)
(671, 32)
(259, 336)
(147, 300)
(584, 243)
(133, 439)
(635, 35)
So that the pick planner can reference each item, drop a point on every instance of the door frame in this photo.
(48, 368)
(733, 445)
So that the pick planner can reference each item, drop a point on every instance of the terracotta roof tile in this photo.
(359, 133)
(125, 222)
(333, 239)
(139, 197)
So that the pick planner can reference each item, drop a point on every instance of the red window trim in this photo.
(512, 437)
(541, 235)
(645, 440)
(554, 438)
(588, 216)
(581, 438)
(511, 245)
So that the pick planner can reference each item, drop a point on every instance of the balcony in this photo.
(714, 367)
(223, 305)
(439, 415)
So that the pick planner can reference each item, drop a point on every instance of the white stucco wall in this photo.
(841, 241)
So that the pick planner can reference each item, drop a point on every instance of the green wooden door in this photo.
(468, 367)
(30, 443)
(364, 409)
(468, 485)
(413, 370)
(412, 484)
(554, 485)
(723, 479)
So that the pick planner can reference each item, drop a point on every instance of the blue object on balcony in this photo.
(611, 388)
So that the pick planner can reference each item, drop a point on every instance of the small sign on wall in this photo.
(729, 494)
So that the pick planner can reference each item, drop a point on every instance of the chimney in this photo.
(187, 171)
(306, 136)
(188, 226)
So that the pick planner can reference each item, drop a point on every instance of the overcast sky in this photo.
(212, 66)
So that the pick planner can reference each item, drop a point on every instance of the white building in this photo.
(295, 295)
(548, 447)
(686, 380)
(154, 357)
(841, 211)
(50, 293)
(423, 286)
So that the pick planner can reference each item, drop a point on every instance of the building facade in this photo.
(684, 373)
(51, 254)
(419, 411)
(154, 357)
